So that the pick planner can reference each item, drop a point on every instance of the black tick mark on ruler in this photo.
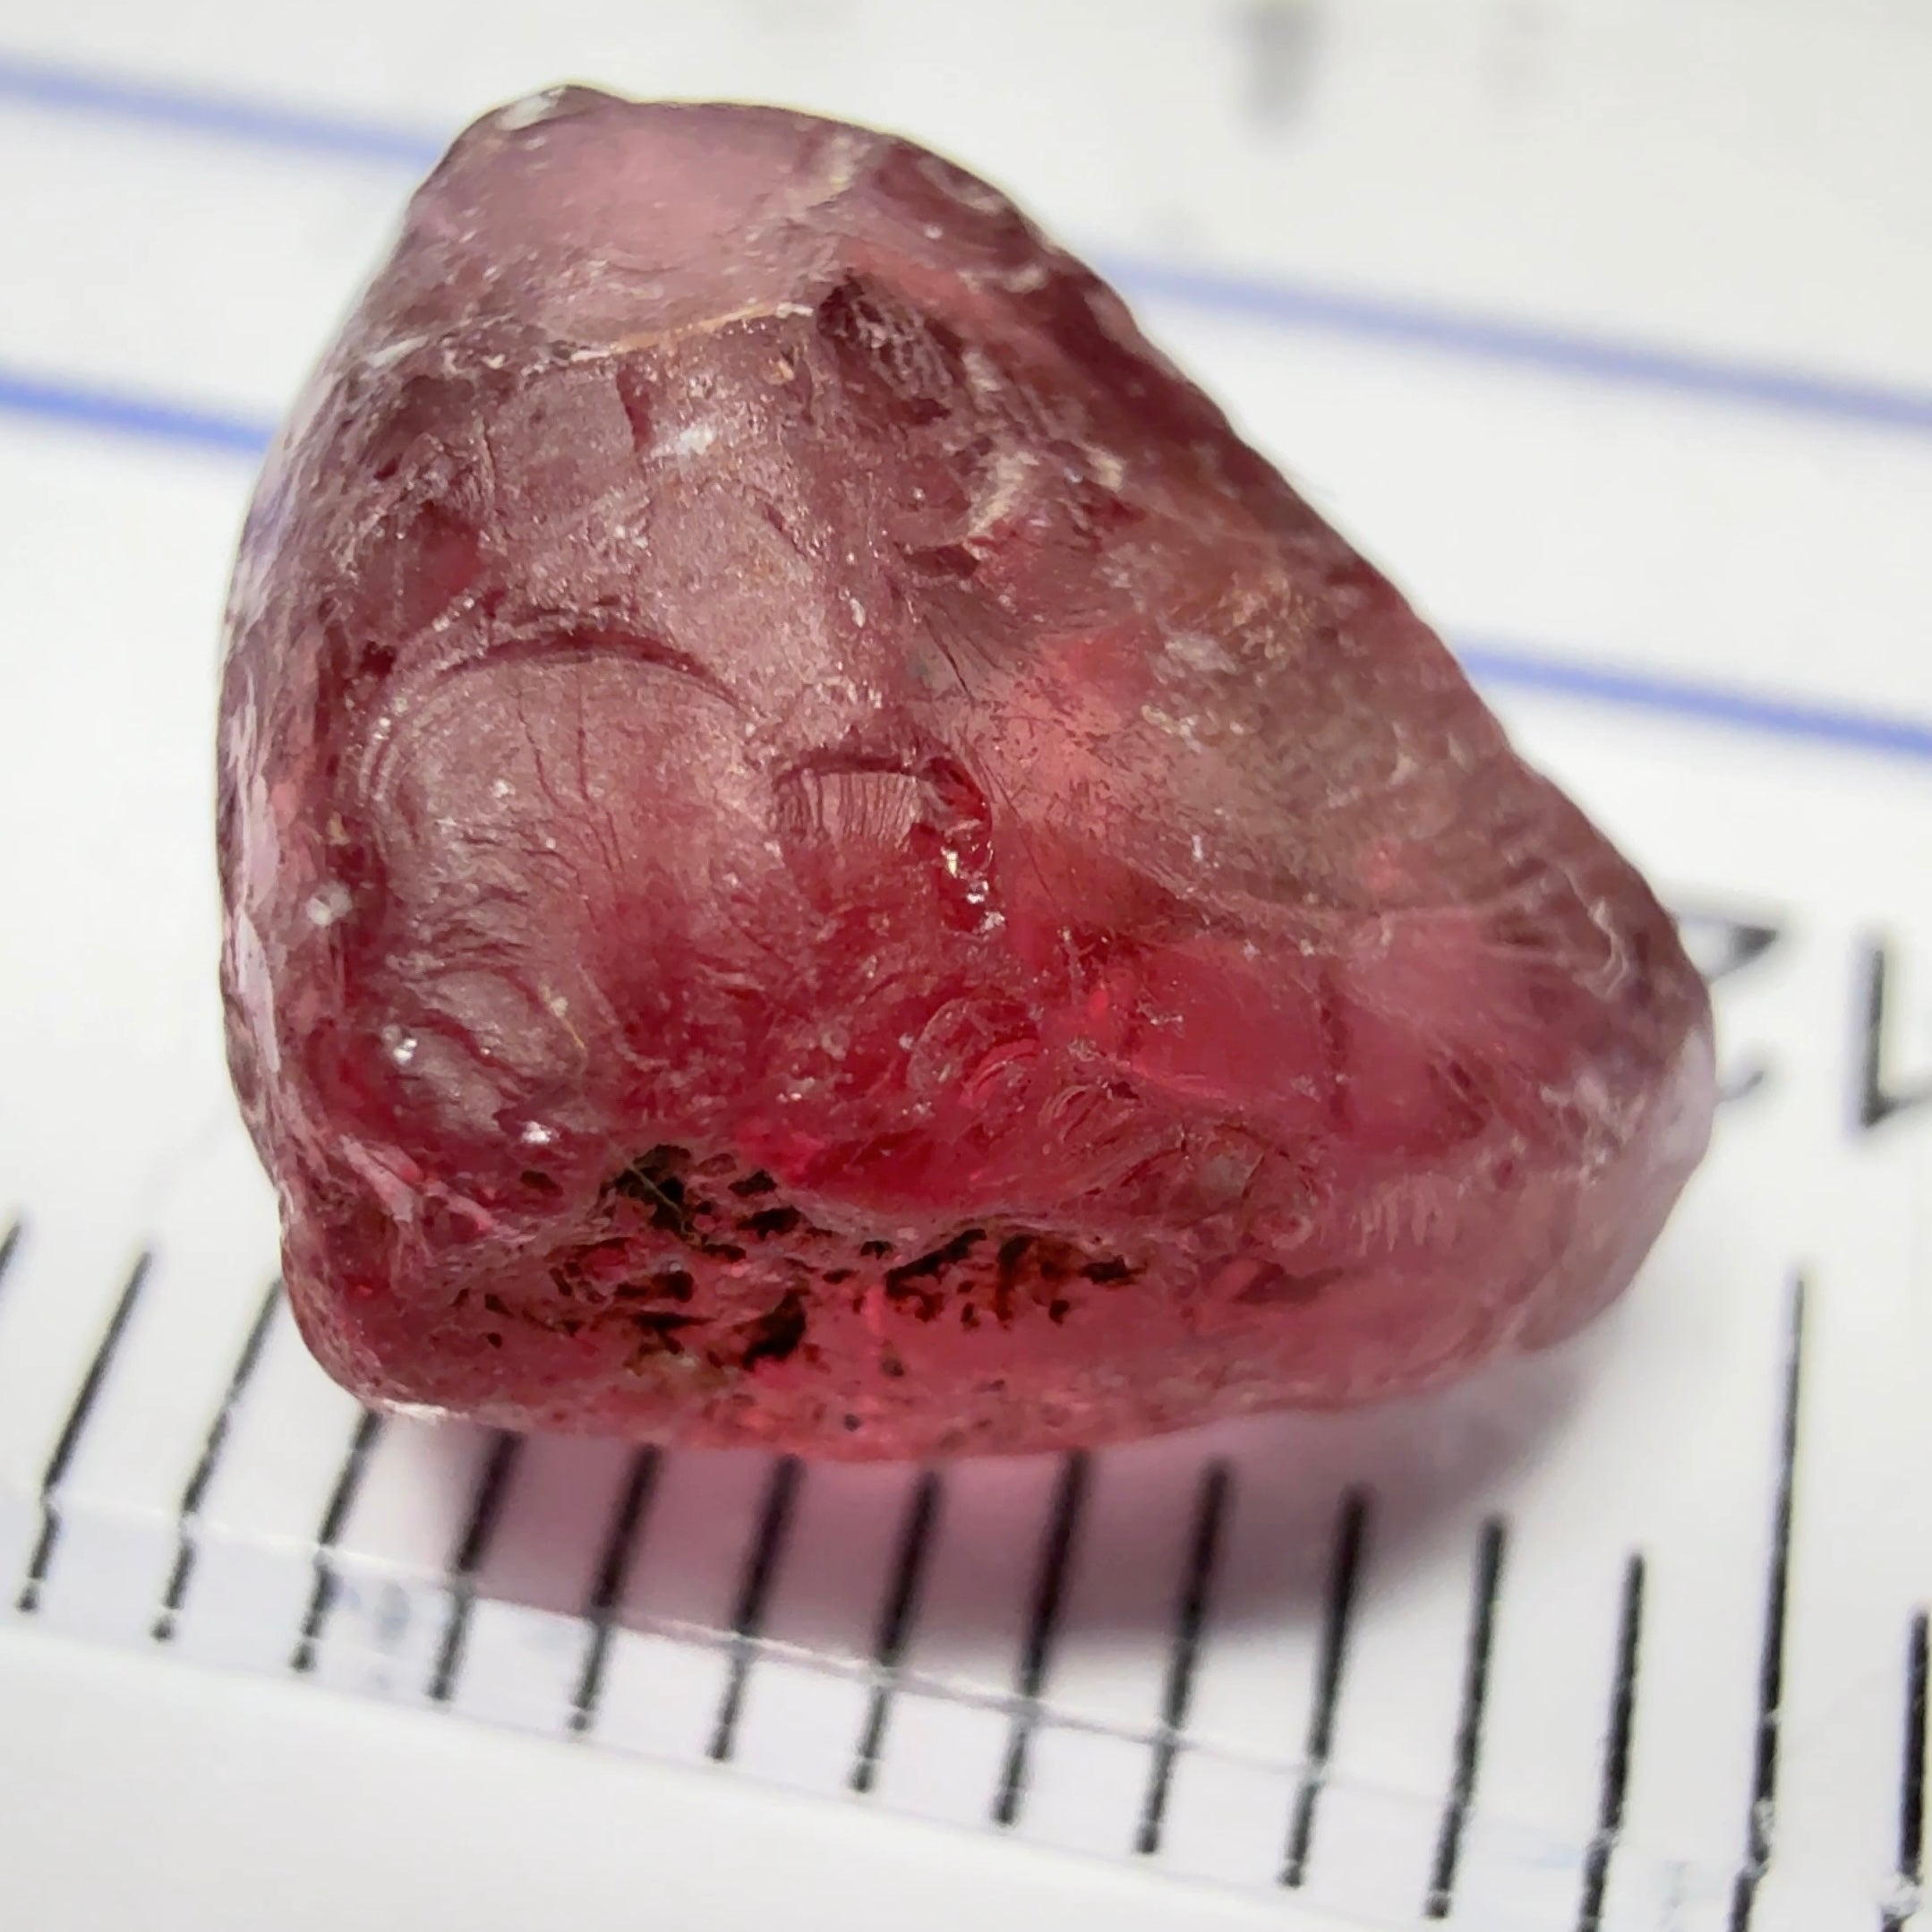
(612, 1579)
(335, 1520)
(1469, 1724)
(9, 1248)
(1345, 1583)
(188, 1516)
(754, 1595)
(1190, 1626)
(1742, 1085)
(896, 1621)
(1043, 1623)
(69, 1441)
(1617, 1739)
(1760, 1819)
(1279, 41)
(1911, 1785)
(486, 1509)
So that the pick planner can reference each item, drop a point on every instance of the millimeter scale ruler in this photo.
(1630, 1636)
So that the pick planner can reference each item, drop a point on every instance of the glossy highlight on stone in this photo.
(817, 854)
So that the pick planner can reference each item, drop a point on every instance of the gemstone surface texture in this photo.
(817, 854)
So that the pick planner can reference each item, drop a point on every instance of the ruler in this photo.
(1632, 1636)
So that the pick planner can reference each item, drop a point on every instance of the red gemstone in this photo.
(817, 853)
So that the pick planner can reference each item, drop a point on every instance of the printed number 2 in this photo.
(1718, 946)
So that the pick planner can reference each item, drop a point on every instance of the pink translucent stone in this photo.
(817, 853)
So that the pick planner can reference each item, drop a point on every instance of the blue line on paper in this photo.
(216, 116)
(1549, 351)
(123, 412)
(1510, 666)
(1498, 664)
(1302, 306)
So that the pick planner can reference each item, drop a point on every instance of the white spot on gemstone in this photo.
(330, 903)
(500, 788)
(401, 1046)
(839, 168)
(1198, 652)
(1109, 471)
(857, 611)
(961, 187)
(530, 110)
(256, 991)
(1199, 849)
(392, 352)
(535, 1135)
(1165, 721)
(1010, 471)
(693, 439)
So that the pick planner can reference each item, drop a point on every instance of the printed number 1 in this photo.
(1878, 1098)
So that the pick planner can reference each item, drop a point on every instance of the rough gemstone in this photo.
(817, 853)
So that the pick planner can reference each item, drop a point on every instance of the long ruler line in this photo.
(1477, 1658)
(1907, 1894)
(612, 1581)
(1338, 1619)
(73, 1428)
(326, 1583)
(1043, 1625)
(1190, 1630)
(194, 1493)
(479, 1530)
(896, 1622)
(1760, 1818)
(762, 1562)
(1614, 1787)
